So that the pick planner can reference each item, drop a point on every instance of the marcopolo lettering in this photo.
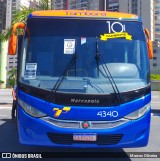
(84, 101)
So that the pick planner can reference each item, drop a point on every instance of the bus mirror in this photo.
(14, 39)
(12, 45)
(149, 44)
(150, 49)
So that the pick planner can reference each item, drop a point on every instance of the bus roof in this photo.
(84, 14)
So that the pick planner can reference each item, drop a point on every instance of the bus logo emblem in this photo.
(59, 111)
(85, 125)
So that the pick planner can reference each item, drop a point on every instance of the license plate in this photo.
(84, 137)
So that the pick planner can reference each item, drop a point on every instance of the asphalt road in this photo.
(9, 138)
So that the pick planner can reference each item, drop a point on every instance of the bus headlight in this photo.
(138, 113)
(30, 109)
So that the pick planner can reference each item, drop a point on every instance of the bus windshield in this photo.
(50, 45)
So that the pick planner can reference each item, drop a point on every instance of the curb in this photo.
(157, 111)
(5, 105)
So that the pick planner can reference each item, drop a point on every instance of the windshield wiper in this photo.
(98, 58)
(60, 79)
(114, 86)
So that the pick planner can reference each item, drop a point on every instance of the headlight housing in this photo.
(138, 113)
(30, 109)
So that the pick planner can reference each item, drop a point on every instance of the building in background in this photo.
(155, 62)
(12, 6)
(157, 19)
(2, 15)
(59, 4)
(113, 5)
(34, 4)
(79, 4)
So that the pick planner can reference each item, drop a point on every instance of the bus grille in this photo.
(78, 124)
(68, 139)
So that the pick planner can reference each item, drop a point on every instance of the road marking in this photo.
(156, 114)
(155, 101)
(3, 115)
(5, 108)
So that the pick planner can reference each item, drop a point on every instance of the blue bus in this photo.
(83, 79)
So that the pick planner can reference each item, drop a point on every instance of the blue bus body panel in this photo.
(33, 131)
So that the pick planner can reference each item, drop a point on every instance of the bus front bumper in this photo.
(35, 131)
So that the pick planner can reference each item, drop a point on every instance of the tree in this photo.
(1, 82)
(45, 5)
(21, 16)
(12, 76)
